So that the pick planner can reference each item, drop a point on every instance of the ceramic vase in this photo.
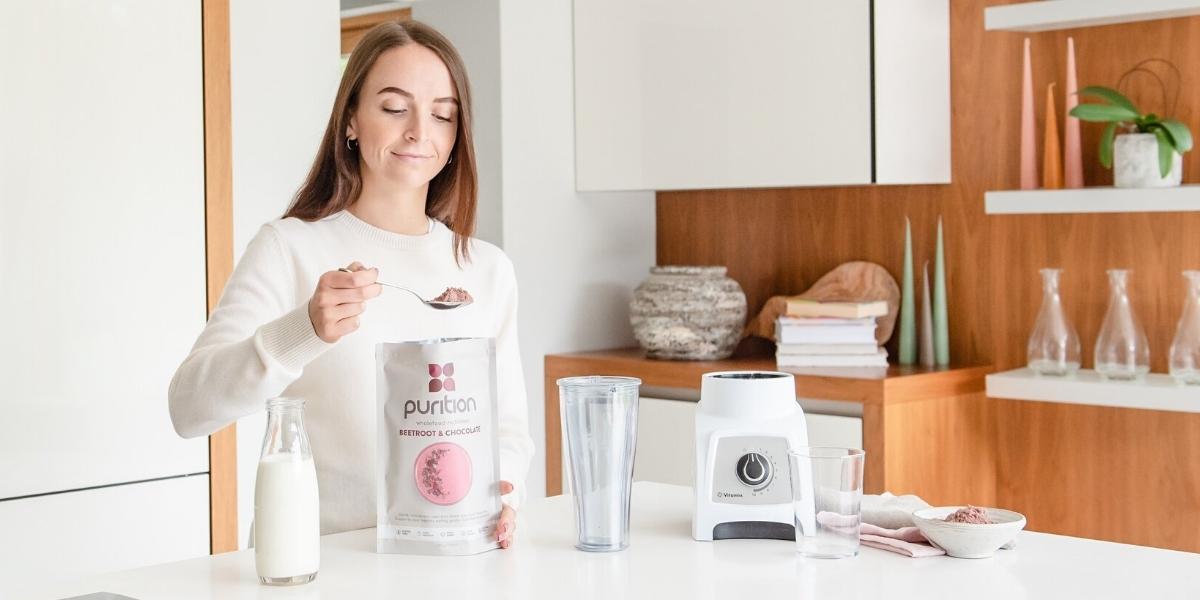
(688, 313)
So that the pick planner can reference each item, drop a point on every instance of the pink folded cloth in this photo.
(908, 541)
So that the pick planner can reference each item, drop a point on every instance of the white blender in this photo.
(746, 423)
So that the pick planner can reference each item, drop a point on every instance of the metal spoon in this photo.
(435, 304)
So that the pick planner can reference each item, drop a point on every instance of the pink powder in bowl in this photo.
(969, 514)
(443, 473)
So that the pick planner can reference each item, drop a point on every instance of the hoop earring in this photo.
(450, 161)
(348, 146)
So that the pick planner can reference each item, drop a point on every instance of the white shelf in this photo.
(1156, 392)
(1048, 15)
(1093, 200)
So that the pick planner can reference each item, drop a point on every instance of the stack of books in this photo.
(829, 334)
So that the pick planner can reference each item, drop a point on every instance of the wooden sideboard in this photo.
(923, 429)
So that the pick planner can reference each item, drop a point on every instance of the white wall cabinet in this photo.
(102, 264)
(666, 447)
(699, 94)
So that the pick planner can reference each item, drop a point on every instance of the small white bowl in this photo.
(969, 540)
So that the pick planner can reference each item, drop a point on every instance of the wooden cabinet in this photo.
(707, 94)
(920, 427)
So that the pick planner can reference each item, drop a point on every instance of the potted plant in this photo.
(1149, 151)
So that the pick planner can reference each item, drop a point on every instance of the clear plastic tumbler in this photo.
(599, 421)
(827, 488)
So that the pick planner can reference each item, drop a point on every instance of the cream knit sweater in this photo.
(259, 343)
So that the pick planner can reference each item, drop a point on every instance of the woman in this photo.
(393, 186)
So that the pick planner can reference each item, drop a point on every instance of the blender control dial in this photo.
(754, 470)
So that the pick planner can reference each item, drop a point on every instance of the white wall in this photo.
(473, 27)
(577, 256)
(285, 68)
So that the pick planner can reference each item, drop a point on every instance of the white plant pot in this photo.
(1135, 163)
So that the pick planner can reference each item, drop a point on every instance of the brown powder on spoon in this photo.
(453, 294)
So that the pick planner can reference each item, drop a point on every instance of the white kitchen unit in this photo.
(836, 431)
(666, 448)
(703, 94)
(911, 75)
(664, 562)
(102, 260)
(58, 536)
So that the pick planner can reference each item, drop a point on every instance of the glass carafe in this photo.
(287, 518)
(1054, 344)
(1185, 349)
(1122, 351)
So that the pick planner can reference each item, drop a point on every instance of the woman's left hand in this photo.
(506, 527)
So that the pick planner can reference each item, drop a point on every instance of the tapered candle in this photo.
(1052, 176)
(1072, 160)
(1028, 143)
(926, 321)
(908, 330)
(941, 324)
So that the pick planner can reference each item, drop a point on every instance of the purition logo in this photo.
(445, 406)
(441, 377)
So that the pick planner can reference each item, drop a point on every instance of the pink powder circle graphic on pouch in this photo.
(443, 473)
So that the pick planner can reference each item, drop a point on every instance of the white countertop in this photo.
(663, 562)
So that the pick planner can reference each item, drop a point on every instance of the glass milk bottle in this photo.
(287, 520)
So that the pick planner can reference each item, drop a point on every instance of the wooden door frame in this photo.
(218, 240)
(355, 27)
(218, 232)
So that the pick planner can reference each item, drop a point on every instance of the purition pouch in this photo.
(438, 468)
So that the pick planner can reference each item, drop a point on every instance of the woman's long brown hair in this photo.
(334, 182)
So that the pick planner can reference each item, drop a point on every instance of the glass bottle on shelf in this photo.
(1054, 344)
(287, 520)
(1185, 349)
(1122, 351)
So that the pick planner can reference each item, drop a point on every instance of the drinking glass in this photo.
(827, 487)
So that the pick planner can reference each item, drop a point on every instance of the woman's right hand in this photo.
(339, 299)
